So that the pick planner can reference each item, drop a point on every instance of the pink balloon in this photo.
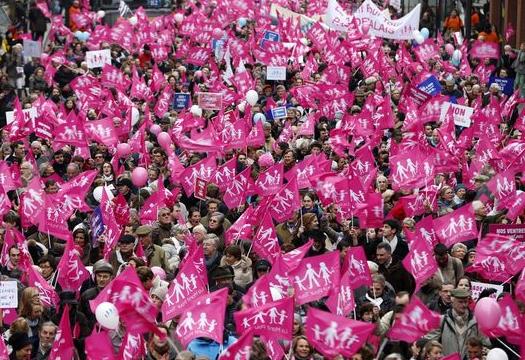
(123, 149)
(488, 313)
(139, 176)
(365, 27)
(449, 48)
(164, 139)
(198, 74)
(217, 33)
(155, 129)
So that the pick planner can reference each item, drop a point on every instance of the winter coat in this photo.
(242, 269)
(519, 63)
(450, 338)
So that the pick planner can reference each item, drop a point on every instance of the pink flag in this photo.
(71, 270)
(265, 242)
(511, 322)
(121, 210)
(163, 101)
(99, 347)
(341, 300)
(415, 321)
(48, 295)
(240, 187)
(186, 287)
(5, 203)
(498, 257)
(407, 170)
(292, 259)
(520, 286)
(454, 356)
(273, 348)
(4, 354)
(270, 181)
(133, 346)
(334, 335)
(150, 208)
(240, 349)
(63, 347)
(102, 131)
(285, 201)
(459, 225)
(502, 185)
(420, 262)
(356, 267)
(224, 174)
(204, 169)
(303, 171)
(204, 319)
(242, 228)
(424, 231)
(255, 137)
(315, 277)
(272, 320)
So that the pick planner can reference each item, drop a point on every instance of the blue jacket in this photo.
(209, 348)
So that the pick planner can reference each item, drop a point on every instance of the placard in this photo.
(276, 73)
(29, 114)
(478, 287)
(516, 231)
(461, 114)
(431, 86)
(506, 84)
(32, 48)
(8, 295)
(201, 187)
(279, 112)
(98, 58)
(209, 101)
(97, 226)
(484, 50)
(181, 101)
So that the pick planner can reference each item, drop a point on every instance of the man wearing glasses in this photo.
(163, 229)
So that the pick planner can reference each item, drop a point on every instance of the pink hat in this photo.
(266, 160)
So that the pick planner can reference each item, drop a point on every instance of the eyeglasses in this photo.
(165, 215)
(213, 220)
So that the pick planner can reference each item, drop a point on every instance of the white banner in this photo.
(98, 58)
(382, 26)
(336, 18)
(478, 287)
(32, 48)
(462, 114)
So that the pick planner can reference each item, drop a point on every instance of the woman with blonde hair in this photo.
(30, 297)
(433, 350)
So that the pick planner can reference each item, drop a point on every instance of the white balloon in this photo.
(252, 97)
(196, 110)
(97, 193)
(178, 18)
(107, 315)
(456, 55)
(135, 115)
(101, 14)
(497, 354)
(242, 106)
(133, 20)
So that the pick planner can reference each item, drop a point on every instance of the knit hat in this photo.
(160, 292)
(266, 160)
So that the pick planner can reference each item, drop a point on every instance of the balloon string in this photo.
(506, 346)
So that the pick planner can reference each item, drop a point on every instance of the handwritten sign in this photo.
(32, 48)
(98, 58)
(8, 295)
(276, 73)
(209, 101)
(461, 114)
(478, 287)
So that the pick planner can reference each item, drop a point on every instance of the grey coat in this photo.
(450, 338)
(519, 64)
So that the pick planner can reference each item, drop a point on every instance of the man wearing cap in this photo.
(457, 326)
(124, 252)
(155, 255)
(103, 272)
(124, 186)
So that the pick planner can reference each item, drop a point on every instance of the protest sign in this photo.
(431, 86)
(97, 226)
(506, 84)
(461, 114)
(181, 101)
(516, 231)
(201, 186)
(285, 14)
(478, 287)
(8, 295)
(32, 48)
(416, 95)
(271, 36)
(98, 58)
(382, 26)
(209, 101)
(336, 18)
(276, 73)
(279, 112)
(484, 50)
(29, 114)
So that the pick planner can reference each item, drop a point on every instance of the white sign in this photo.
(382, 26)
(98, 58)
(276, 73)
(8, 295)
(29, 114)
(478, 287)
(461, 114)
(32, 48)
(336, 18)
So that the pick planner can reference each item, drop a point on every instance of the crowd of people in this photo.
(123, 176)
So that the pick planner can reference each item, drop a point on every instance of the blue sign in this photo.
(279, 112)
(97, 226)
(271, 36)
(506, 84)
(181, 101)
(431, 86)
